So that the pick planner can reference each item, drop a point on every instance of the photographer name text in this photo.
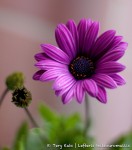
(84, 145)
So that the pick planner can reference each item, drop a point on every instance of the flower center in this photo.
(21, 97)
(81, 67)
(21, 94)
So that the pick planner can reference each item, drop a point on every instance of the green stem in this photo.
(3, 95)
(35, 125)
(86, 115)
(31, 118)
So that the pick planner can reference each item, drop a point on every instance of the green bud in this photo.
(21, 97)
(15, 80)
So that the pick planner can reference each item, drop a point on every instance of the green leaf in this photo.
(72, 121)
(21, 145)
(47, 114)
(21, 138)
(123, 141)
(36, 140)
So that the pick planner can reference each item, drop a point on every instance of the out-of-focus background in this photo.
(25, 24)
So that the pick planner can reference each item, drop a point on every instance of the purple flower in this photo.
(82, 62)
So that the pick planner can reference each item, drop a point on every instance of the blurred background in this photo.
(25, 24)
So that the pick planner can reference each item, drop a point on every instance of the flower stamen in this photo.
(82, 67)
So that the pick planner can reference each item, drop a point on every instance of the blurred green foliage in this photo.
(124, 142)
(55, 130)
(21, 138)
(58, 130)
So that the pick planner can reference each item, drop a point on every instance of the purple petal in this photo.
(73, 29)
(55, 53)
(102, 43)
(65, 40)
(67, 97)
(91, 87)
(115, 53)
(66, 88)
(102, 97)
(49, 64)
(118, 79)
(115, 42)
(104, 80)
(90, 37)
(109, 67)
(122, 46)
(38, 74)
(64, 82)
(112, 55)
(83, 27)
(41, 56)
(57, 92)
(79, 91)
(52, 74)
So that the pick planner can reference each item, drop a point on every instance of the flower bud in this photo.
(21, 97)
(15, 80)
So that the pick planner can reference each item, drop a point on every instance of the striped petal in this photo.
(112, 55)
(41, 56)
(65, 81)
(73, 29)
(65, 40)
(83, 27)
(67, 97)
(55, 53)
(115, 53)
(122, 46)
(109, 67)
(91, 87)
(118, 79)
(52, 74)
(115, 42)
(102, 43)
(67, 88)
(90, 37)
(49, 64)
(102, 96)
(38, 74)
(104, 80)
(79, 91)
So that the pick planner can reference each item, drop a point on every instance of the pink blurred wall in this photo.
(24, 25)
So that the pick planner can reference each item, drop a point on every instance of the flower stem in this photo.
(3, 95)
(31, 118)
(41, 137)
(86, 115)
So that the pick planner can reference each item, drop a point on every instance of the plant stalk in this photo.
(87, 116)
(3, 95)
(31, 118)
